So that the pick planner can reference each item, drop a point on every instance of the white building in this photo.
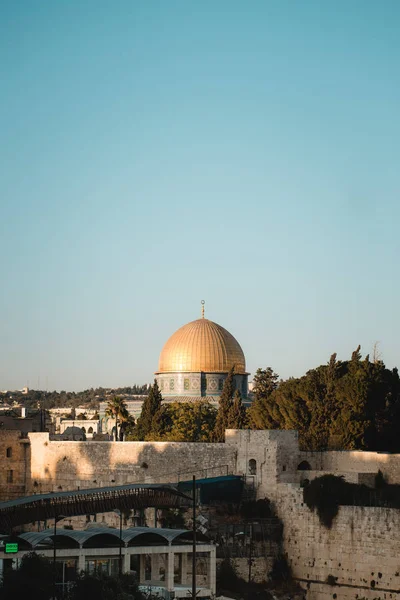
(161, 558)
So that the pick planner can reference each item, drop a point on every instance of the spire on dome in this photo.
(202, 308)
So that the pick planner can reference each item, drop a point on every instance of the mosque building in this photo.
(193, 365)
(195, 362)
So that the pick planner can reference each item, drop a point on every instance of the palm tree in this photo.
(117, 409)
(127, 425)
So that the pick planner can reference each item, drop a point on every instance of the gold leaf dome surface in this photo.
(201, 345)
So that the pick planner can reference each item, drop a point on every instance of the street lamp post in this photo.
(250, 550)
(119, 512)
(194, 540)
(56, 519)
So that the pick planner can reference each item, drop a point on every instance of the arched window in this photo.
(304, 466)
(90, 430)
(9, 452)
(83, 430)
(252, 466)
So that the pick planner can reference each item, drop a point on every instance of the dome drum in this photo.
(198, 384)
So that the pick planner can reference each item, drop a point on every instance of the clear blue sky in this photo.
(157, 153)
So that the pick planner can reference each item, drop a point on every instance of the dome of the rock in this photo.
(196, 359)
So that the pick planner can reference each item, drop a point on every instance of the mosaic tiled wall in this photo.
(197, 384)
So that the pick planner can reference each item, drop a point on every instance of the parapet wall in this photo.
(57, 465)
(61, 465)
(355, 461)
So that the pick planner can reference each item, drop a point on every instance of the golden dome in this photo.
(201, 346)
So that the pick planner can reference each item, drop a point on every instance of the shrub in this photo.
(227, 578)
(256, 509)
(331, 580)
(280, 570)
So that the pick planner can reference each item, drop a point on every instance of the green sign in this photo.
(11, 548)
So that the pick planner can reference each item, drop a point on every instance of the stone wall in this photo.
(360, 553)
(266, 456)
(260, 567)
(56, 465)
(349, 476)
(355, 461)
(14, 448)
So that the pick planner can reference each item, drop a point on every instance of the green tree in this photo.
(162, 423)
(33, 579)
(184, 422)
(265, 383)
(353, 404)
(191, 422)
(103, 587)
(225, 405)
(237, 417)
(151, 405)
(360, 398)
(117, 409)
(127, 426)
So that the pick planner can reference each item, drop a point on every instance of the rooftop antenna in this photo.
(202, 308)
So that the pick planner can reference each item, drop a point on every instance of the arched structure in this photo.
(304, 466)
(160, 558)
(252, 466)
(106, 537)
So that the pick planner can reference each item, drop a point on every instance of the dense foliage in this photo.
(151, 406)
(225, 407)
(237, 415)
(352, 404)
(34, 580)
(104, 587)
(124, 422)
(257, 509)
(265, 381)
(183, 422)
(230, 585)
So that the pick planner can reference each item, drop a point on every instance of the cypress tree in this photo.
(160, 424)
(225, 405)
(260, 413)
(237, 417)
(150, 407)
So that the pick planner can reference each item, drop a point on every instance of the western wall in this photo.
(359, 557)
